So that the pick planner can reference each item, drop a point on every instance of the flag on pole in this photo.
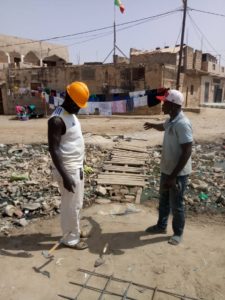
(120, 5)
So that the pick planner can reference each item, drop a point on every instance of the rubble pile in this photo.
(206, 185)
(27, 189)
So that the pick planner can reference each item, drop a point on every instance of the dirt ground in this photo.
(195, 268)
(208, 126)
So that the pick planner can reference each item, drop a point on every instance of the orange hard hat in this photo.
(79, 93)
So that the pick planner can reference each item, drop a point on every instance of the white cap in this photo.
(175, 96)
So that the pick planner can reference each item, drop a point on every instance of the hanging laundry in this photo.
(136, 93)
(93, 107)
(47, 91)
(130, 105)
(143, 101)
(136, 101)
(119, 106)
(58, 101)
(105, 108)
(153, 94)
(53, 93)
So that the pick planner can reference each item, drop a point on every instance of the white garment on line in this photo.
(136, 93)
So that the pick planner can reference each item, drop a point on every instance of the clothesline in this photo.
(110, 107)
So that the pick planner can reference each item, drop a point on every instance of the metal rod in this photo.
(114, 34)
(181, 45)
(84, 286)
(137, 284)
(121, 52)
(99, 290)
(107, 56)
(106, 285)
(126, 291)
(154, 293)
(65, 297)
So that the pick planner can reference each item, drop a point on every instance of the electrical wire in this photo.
(94, 30)
(203, 35)
(206, 12)
(100, 35)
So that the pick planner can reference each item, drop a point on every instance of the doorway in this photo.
(1, 103)
(206, 98)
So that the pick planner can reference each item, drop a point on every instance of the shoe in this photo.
(175, 240)
(155, 230)
(79, 246)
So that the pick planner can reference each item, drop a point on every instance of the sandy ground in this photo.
(207, 126)
(196, 268)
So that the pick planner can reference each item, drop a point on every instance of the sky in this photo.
(41, 19)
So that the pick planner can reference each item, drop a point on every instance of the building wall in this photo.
(155, 58)
(188, 58)
(197, 64)
(191, 89)
(11, 45)
(213, 68)
(212, 82)
(100, 79)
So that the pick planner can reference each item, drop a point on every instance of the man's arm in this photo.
(158, 127)
(185, 155)
(56, 128)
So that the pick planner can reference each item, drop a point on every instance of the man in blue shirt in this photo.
(175, 165)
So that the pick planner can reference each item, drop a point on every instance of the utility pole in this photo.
(181, 44)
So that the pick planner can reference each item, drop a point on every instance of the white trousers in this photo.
(71, 204)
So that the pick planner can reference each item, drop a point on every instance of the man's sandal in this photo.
(79, 246)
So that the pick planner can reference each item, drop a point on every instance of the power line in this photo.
(100, 35)
(94, 30)
(206, 12)
(202, 34)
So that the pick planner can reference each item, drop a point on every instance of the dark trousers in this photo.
(172, 199)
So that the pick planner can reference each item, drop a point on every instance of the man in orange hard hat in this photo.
(66, 147)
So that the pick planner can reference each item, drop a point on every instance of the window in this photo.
(222, 69)
(192, 89)
(214, 67)
(138, 73)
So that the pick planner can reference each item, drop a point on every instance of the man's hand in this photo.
(159, 127)
(69, 183)
(147, 126)
(169, 183)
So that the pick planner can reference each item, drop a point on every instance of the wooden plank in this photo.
(124, 169)
(119, 182)
(130, 158)
(118, 162)
(129, 148)
(127, 159)
(122, 175)
(138, 196)
(130, 154)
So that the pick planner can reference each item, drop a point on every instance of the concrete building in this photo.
(202, 79)
(213, 82)
(20, 52)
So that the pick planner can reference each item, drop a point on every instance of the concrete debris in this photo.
(102, 201)
(27, 190)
